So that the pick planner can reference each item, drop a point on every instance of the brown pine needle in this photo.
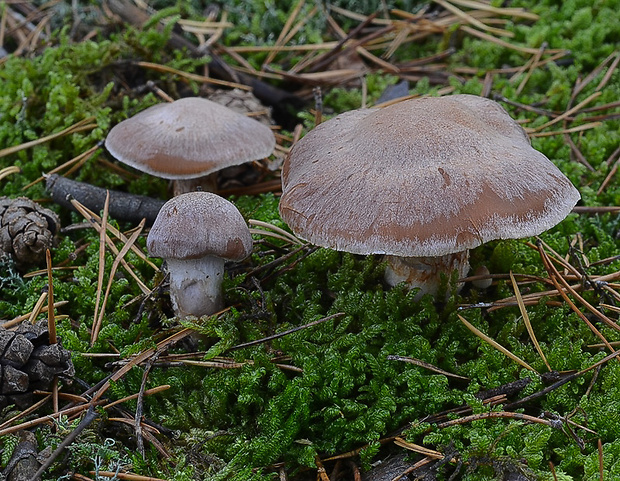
(13, 169)
(510, 12)
(94, 220)
(557, 280)
(81, 157)
(495, 344)
(46, 419)
(285, 30)
(568, 113)
(502, 43)
(572, 130)
(216, 364)
(26, 412)
(125, 476)
(496, 414)
(84, 124)
(130, 422)
(102, 244)
(283, 234)
(416, 448)
(191, 76)
(36, 310)
(148, 392)
(608, 178)
(425, 365)
(23, 317)
(161, 346)
(526, 320)
(471, 20)
(115, 264)
(534, 64)
(51, 322)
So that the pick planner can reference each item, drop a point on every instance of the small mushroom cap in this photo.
(199, 224)
(423, 177)
(190, 137)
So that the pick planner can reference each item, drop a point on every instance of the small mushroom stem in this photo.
(196, 285)
(206, 183)
(425, 272)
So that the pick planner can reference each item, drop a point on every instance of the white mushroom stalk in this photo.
(195, 233)
(196, 285)
(426, 273)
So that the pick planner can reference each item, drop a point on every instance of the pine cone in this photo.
(28, 362)
(26, 230)
(242, 102)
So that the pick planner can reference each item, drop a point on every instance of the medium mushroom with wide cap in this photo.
(187, 139)
(422, 181)
(195, 233)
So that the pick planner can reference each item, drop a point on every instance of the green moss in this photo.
(332, 387)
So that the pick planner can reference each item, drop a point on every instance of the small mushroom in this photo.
(195, 233)
(422, 181)
(188, 138)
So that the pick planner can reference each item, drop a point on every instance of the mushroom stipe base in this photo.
(425, 272)
(196, 285)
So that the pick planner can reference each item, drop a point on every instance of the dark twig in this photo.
(559, 383)
(140, 404)
(88, 418)
(123, 205)
(285, 333)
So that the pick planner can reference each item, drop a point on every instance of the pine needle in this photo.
(495, 344)
(115, 264)
(82, 125)
(12, 169)
(526, 320)
(102, 243)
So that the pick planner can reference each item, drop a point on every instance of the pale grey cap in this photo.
(188, 138)
(422, 177)
(199, 224)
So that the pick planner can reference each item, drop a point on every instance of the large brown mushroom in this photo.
(188, 138)
(195, 233)
(422, 181)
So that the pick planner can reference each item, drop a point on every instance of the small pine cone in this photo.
(243, 102)
(26, 230)
(28, 362)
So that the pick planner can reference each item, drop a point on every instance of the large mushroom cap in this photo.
(199, 224)
(188, 138)
(423, 177)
